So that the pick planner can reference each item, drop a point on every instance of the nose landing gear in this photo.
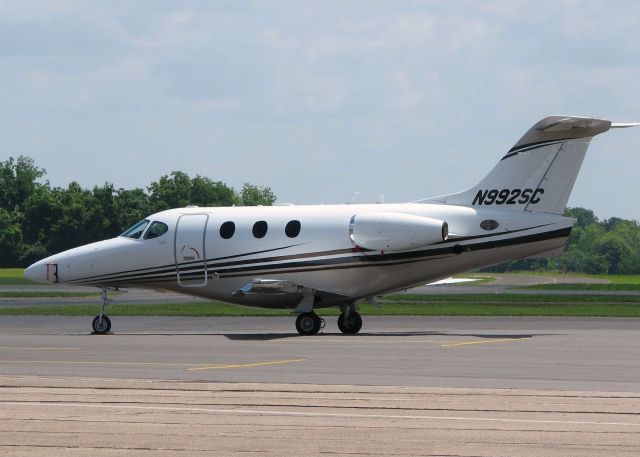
(101, 323)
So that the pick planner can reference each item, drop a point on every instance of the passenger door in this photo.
(189, 250)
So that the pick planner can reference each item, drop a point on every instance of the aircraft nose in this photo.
(36, 272)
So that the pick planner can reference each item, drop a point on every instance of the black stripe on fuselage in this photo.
(454, 238)
(245, 269)
(170, 270)
(170, 267)
(398, 258)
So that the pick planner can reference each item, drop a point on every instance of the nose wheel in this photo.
(101, 323)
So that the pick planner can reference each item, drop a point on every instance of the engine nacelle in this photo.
(386, 231)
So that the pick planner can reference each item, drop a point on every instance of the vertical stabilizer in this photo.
(538, 173)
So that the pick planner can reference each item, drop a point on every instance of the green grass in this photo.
(613, 279)
(14, 277)
(585, 287)
(531, 299)
(621, 279)
(37, 294)
(397, 305)
(172, 309)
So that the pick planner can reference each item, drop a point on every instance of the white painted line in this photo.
(310, 414)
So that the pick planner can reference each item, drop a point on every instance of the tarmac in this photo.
(409, 386)
(404, 386)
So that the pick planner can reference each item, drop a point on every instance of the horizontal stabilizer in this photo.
(624, 125)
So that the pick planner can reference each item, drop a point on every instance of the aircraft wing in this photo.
(307, 296)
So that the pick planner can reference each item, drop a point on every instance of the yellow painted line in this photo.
(195, 366)
(246, 365)
(38, 349)
(467, 343)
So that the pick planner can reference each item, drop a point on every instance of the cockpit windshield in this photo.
(136, 230)
(155, 230)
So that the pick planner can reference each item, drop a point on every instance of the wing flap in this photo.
(305, 296)
(273, 287)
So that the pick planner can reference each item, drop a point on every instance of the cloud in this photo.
(316, 99)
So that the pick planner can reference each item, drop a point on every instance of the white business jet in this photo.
(307, 257)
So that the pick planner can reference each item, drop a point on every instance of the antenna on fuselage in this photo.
(353, 198)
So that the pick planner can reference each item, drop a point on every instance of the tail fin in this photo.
(539, 172)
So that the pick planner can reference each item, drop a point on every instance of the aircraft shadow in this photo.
(275, 336)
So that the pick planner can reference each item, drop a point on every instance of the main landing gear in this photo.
(101, 323)
(349, 321)
(309, 323)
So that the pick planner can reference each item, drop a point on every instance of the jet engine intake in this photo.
(387, 231)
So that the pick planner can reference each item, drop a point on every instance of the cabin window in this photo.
(260, 229)
(292, 229)
(227, 230)
(136, 230)
(156, 229)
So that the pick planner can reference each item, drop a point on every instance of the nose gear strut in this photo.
(101, 323)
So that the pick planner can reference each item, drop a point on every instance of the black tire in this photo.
(308, 324)
(101, 326)
(353, 325)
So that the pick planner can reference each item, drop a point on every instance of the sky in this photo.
(317, 99)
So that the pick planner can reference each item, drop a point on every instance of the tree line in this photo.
(609, 246)
(38, 220)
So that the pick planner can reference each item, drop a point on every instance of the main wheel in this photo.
(101, 326)
(352, 325)
(308, 324)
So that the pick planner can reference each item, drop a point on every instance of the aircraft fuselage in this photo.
(193, 257)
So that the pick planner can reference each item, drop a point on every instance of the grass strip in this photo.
(602, 306)
(511, 298)
(615, 279)
(164, 309)
(15, 277)
(586, 287)
(48, 294)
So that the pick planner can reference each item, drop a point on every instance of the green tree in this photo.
(205, 192)
(11, 243)
(37, 220)
(130, 206)
(179, 190)
(81, 220)
(584, 216)
(18, 180)
(171, 191)
(251, 195)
